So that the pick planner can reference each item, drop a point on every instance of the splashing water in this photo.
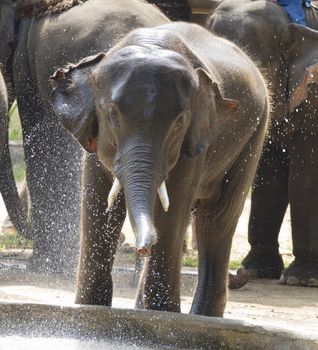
(21, 343)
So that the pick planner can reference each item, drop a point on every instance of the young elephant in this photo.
(177, 111)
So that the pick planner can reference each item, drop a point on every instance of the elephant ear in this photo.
(210, 110)
(73, 100)
(303, 64)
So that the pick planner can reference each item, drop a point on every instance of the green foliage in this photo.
(19, 171)
(14, 241)
(235, 264)
(190, 260)
(287, 260)
(15, 134)
(15, 131)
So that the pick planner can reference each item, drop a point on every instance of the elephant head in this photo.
(141, 108)
(303, 64)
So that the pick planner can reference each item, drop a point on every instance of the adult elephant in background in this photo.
(175, 10)
(53, 159)
(8, 27)
(288, 169)
(52, 33)
(178, 111)
(8, 188)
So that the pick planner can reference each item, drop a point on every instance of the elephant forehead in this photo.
(135, 58)
(147, 92)
(145, 84)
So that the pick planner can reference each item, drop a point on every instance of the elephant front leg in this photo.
(162, 283)
(99, 236)
(161, 288)
(303, 194)
(216, 221)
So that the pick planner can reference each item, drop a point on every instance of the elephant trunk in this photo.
(140, 178)
(9, 190)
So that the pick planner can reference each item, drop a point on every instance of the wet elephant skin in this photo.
(178, 111)
(288, 170)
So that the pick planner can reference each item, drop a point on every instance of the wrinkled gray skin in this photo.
(53, 157)
(7, 43)
(8, 187)
(175, 104)
(55, 215)
(288, 169)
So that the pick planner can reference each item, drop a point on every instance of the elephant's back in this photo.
(82, 31)
(256, 26)
(261, 29)
(267, 10)
(225, 60)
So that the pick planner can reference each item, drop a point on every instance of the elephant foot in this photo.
(300, 273)
(239, 280)
(263, 265)
(209, 301)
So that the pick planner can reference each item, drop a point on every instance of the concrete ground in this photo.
(260, 302)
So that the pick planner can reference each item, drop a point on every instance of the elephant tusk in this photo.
(163, 195)
(113, 193)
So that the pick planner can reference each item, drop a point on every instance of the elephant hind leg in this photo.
(303, 195)
(268, 207)
(215, 226)
(214, 251)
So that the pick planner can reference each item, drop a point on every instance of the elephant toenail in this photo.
(303, 283)
(293, 281)
(312, 282)
(251, 273)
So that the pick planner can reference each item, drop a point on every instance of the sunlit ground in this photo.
(260, 302)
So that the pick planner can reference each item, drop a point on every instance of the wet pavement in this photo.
(262, 302)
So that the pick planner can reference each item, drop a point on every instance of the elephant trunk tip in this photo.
(145, 242)
(143, 251)
(146, 236)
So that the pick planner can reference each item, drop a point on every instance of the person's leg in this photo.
(294, 9)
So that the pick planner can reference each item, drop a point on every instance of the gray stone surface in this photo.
(146, 328)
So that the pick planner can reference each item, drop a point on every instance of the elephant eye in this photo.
(113, 116)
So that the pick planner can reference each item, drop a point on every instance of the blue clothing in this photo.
(294, 9)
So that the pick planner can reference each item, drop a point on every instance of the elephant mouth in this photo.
(162, 193)
(142, 222)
